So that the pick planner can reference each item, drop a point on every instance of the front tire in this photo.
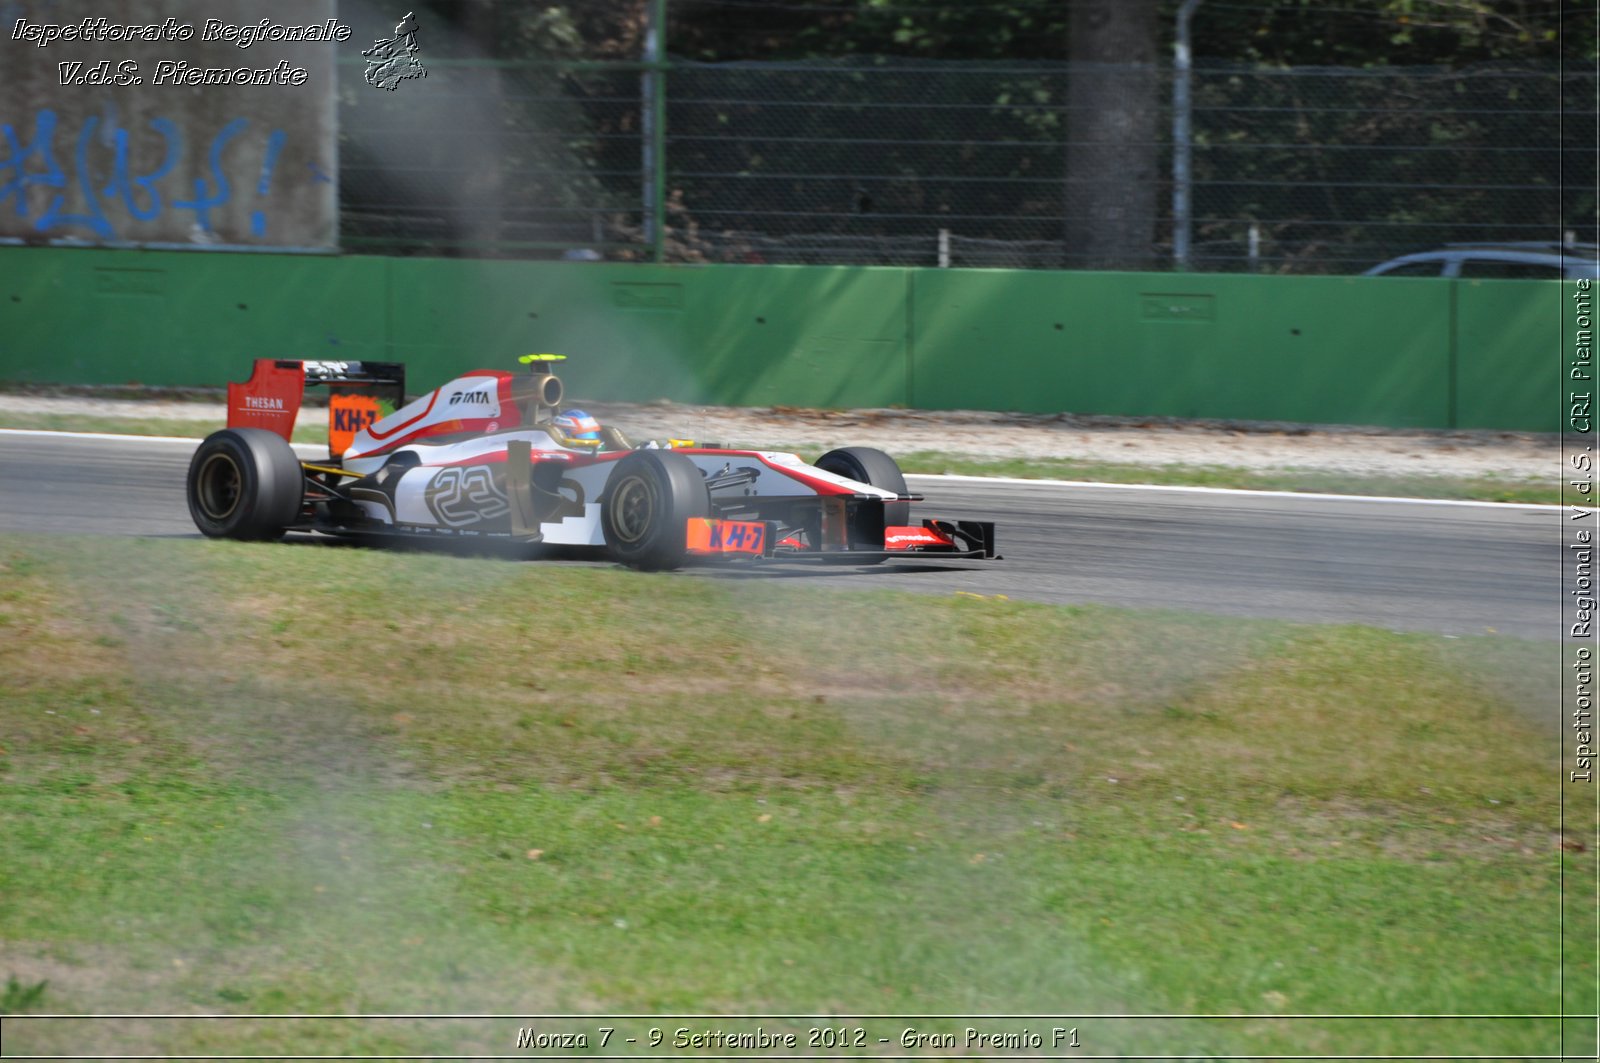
(868, 465)
(871, 466)
(649, 499)
(246, 484)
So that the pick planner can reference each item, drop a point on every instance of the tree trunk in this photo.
(481, 152)
(1113, 112)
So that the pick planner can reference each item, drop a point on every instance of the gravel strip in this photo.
(982, 435)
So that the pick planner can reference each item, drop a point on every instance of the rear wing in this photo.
(359, 393)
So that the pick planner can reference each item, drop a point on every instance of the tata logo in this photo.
(471, 398)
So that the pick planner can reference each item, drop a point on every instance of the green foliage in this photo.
(856, 160)
(1393, 32)
(1282, 33)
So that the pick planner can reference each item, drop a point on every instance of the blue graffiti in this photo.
(202, 203)
(95, 219)
(258, 220)
(123, 183)
(34, 164)
(44, 132)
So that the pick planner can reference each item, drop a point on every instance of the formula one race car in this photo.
(491, 455)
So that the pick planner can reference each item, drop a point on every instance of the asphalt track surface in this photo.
(1460, 569)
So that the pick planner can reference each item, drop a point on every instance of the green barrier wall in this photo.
(180, 318)
(1380, 351)
(1510, 362)
(803, 336)
(1333, 349)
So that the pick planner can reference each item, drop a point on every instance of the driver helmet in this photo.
(578, 425)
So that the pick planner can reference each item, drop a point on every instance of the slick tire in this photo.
(246, 484)
(648, 500)
(870, 466)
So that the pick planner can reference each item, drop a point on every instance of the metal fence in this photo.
(893, 162)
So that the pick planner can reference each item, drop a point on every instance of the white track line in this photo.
(317, 448)
(94, 435)
(1240, 491)
(314, 448)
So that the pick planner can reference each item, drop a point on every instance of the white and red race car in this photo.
(484, 457)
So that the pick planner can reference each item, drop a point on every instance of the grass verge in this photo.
(1485, 489)
(1482, 488)
(288, 778)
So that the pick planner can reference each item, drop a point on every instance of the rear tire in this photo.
(648, 501)
(246, 484)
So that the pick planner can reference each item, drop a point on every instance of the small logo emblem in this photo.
(392, 61)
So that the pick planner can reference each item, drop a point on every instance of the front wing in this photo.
(710, 537)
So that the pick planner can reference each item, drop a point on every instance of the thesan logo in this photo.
(253, 402)
(471, 398)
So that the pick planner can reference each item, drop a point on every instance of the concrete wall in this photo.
(1354, 350)
(103, 141)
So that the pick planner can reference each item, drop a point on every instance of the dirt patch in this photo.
(978, 434)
